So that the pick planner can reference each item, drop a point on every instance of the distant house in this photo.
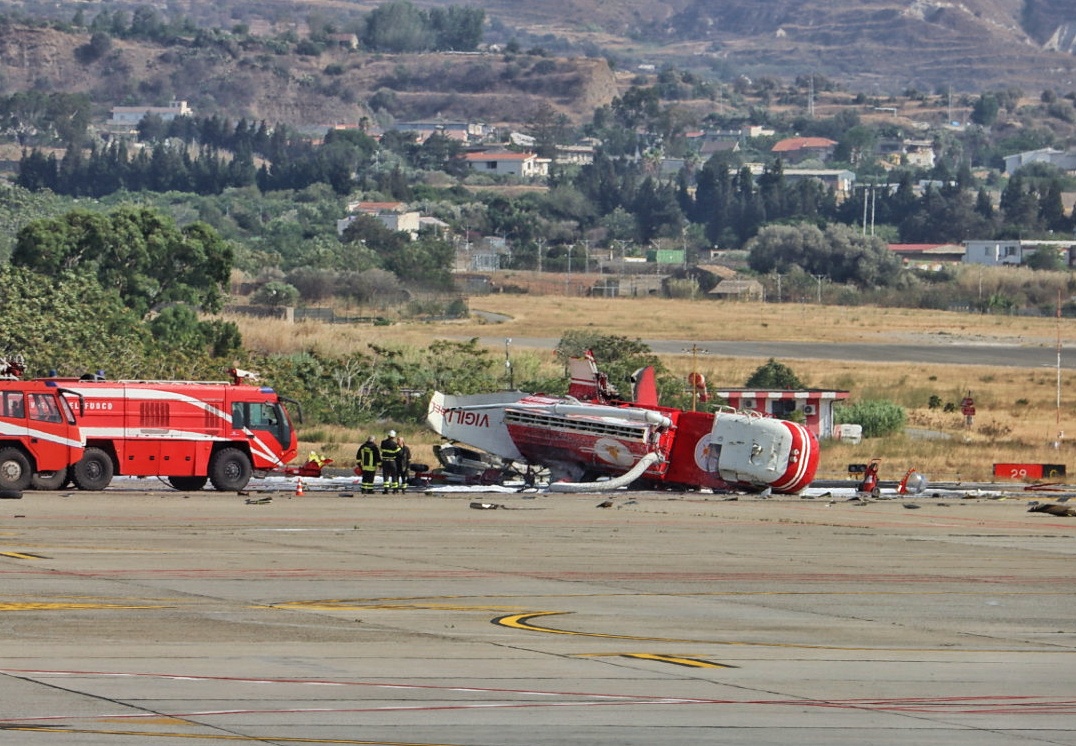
(672, 166)
(993, 253)
(928, 255)
(130, 116)
(1014, 252)
(839, 180)
(797, 149)
(737, 290)
(1065, 160)
(464, 132)
(577, 155)
(508, 163)
(520, 140)
(393, 215)
(757, 130)
(919, 153)
(710, 147)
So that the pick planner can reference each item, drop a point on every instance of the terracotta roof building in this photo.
(796, 149)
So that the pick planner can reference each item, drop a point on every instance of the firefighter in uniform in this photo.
(403, 463)
(369, 458)
(389, 450)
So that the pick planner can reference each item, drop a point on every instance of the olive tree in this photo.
(839, 252)
(137, 252)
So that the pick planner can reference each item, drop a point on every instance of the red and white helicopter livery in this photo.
(591, 440)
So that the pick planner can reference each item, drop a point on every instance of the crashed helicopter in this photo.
(592, 440)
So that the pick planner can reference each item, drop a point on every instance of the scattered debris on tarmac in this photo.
(1053, 509)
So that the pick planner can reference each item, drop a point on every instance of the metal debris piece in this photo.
(258, 500)
(1053, 509)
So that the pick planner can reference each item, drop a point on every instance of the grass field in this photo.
(1017, 419)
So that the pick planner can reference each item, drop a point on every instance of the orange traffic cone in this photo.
(299, 487)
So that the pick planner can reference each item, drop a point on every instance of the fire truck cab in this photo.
(39, 436)
(189, 432)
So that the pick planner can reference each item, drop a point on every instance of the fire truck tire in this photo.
(230, 470)
(93, 471)
(50, 480)
(188, 484)
(15, 471)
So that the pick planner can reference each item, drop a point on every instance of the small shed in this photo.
(730, 289)
(816, 405)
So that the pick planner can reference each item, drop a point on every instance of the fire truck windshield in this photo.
(68, 413)
(264, 416)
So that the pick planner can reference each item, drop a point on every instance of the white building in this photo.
(132, 115)
(393, 215)
(841, 181)
(1066, 161)
(507, 163)
(1013, 252)
(993, 253)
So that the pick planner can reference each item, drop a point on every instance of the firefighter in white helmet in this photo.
(389, 450)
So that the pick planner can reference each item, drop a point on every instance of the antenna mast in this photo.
(1060, 434)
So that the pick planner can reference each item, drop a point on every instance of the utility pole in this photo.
(819, 278)
(568, 278)
(864, 209)
(873, 198)
(1060, 433)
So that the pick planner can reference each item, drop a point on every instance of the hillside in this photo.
(970, 45)
(584, 53)
(880, 46)
(333, 87)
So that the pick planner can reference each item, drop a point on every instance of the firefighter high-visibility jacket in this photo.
(368, 456)
(389, 449)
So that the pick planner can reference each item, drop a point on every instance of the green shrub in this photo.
(774, 375)
(878, 418)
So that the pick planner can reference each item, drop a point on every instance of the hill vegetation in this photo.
(878, 46)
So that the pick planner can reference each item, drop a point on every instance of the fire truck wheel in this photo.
(93, 471)
(188, 484)
(50, 480)
(229, 470)
(14, 470)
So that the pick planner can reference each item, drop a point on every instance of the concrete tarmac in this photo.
(145, 615)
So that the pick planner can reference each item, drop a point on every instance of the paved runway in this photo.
(1037, 355)
(142, 616)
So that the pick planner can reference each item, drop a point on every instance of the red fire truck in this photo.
(189, 432)
(39, 436)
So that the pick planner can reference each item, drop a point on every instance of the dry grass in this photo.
(1017, 416)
